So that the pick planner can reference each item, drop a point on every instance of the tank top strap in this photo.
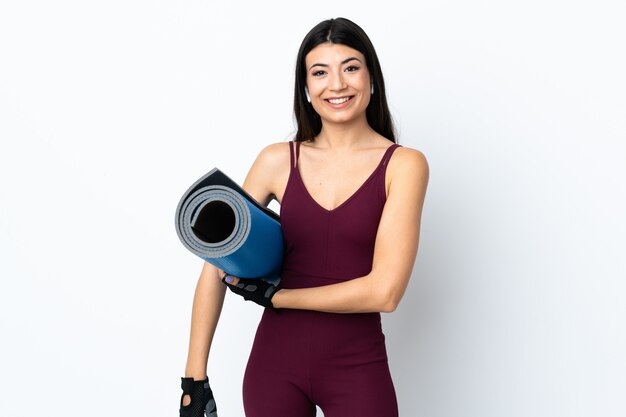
(298, 151)
(388, 153)
(294, 156)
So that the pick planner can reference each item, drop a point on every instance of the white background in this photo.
(110, 110)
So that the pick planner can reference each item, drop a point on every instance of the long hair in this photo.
(343, 32)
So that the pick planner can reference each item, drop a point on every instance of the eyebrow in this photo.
(345, 61)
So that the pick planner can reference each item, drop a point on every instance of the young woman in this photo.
(351, 202)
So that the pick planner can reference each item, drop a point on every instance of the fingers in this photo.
(229, 279)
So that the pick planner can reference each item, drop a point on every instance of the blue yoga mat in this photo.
(222, 224)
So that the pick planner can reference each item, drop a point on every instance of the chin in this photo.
(347, 119)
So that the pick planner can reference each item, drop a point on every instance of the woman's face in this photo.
(338, 82)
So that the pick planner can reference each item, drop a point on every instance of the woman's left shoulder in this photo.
(407, 160)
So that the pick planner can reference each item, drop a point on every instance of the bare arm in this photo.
(207, 306)
(394, 254)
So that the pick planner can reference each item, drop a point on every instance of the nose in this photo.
(337, 82)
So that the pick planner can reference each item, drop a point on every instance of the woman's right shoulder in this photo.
(269, 172)
(274, 156)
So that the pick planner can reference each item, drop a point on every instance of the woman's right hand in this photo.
(256, 290)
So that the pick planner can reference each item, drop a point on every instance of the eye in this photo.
(352, 68)
(318, 73)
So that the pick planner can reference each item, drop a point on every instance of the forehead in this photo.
(331, 53)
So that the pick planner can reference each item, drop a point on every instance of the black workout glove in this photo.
(256, 290)
(201, 399)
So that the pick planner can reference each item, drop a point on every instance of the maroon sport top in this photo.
(327, 246)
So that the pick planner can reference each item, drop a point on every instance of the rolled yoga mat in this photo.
(222, 224)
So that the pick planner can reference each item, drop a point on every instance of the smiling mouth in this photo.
(338, 100)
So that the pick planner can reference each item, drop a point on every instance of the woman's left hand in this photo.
(256, 290)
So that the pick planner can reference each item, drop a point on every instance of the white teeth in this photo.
(338, 100)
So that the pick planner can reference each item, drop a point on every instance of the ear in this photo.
(306, 93)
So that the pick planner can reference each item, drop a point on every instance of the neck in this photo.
(345, 135)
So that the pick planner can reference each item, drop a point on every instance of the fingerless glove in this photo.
(201, 399)
(255, 290)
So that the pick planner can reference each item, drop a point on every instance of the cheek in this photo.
(364, 82)
(314, 86)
